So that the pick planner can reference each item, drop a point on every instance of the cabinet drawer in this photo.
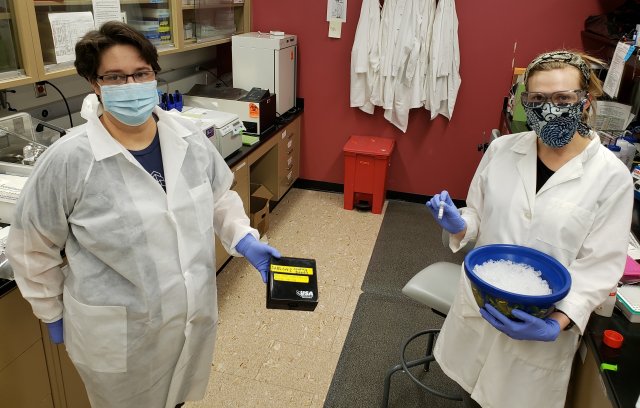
(22, 327)
(25, 381)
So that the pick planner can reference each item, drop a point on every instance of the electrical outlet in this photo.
(40, 88)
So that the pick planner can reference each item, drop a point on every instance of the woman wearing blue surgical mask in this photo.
(555, 189)
(134, 197)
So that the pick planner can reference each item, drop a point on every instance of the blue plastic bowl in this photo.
(556, 275)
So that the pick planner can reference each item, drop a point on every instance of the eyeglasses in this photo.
(120, 79)
(559, 98)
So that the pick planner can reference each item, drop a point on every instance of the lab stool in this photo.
(434, 286)
(366, 159)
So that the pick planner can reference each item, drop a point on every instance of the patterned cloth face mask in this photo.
(556, 125)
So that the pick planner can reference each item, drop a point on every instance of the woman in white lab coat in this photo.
(555, 189)
(134, 198)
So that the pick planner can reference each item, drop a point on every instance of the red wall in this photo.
(432, 155)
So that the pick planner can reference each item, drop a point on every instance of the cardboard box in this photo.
(259, 207)
(292, 284)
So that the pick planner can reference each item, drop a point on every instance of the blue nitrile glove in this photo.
(56, 333)
(529, 328)
(451, 219)
(257, 253)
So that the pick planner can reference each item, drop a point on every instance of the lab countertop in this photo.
(244, 151)
(6, 285)
(622, 385)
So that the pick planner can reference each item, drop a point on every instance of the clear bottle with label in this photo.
(606, 308)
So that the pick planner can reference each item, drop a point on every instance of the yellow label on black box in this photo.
(296, 270)
(290, 278)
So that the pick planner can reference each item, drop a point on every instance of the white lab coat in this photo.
(581, 217)
(364, 56)
(444, 76)
(412, 54)
(139, 293)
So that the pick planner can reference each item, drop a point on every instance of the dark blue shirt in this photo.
(151, 159)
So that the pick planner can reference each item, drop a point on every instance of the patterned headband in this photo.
(560, 56)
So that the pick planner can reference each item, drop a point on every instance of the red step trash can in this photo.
(366, 159)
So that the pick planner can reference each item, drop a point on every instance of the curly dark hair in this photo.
(91, 46)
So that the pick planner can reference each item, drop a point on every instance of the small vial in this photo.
(441, 210)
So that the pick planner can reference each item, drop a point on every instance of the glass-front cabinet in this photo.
(62, 22)
(16, 52)
(207, 22)
(39, 36)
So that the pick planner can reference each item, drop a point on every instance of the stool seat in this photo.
(435, 286)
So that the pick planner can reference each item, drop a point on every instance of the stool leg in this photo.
(392, 370)
(429, 350)
(387, 384)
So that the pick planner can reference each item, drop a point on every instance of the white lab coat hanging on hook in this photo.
(409, 80)
(364, 55)
(444, 76)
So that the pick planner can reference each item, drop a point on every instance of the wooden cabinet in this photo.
(241, 186)
(17, 60)
(28, 29)
(23, 369)
(288, 157)
(276, 164)
(210, 22)
(66, 385)
(34, 372)
(586, 388)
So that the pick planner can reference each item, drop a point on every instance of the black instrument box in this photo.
(292, 284)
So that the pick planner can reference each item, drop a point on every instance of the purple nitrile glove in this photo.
(451, 219)
(56, 333)
(528, 328)
(257, 253)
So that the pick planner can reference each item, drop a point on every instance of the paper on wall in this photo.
(106, 10)
(67, 29)
(614, 75)
(337, 10)
(335, 29)
(612, 115)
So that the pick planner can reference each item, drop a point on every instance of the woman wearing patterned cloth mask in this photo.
(555, 189)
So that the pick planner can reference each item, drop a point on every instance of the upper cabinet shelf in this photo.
(39, 35)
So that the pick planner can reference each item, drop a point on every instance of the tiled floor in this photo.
(279, 358)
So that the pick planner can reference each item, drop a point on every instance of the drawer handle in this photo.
(284, 134)
(290, 166)
(290, 143)
(234, 184)
(289, 151)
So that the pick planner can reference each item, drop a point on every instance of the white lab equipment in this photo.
(223, 129)
(266, 61)
(606, 308)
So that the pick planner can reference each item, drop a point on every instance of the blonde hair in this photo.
(593, 86)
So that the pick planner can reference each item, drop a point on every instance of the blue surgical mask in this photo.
(556, 125)
(130, 103)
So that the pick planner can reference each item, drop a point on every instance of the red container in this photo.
(366, 159)
(612, 338)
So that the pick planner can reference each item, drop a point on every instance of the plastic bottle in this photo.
(628, 151)
(635, 175)
(606, 308)
(616, 150)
